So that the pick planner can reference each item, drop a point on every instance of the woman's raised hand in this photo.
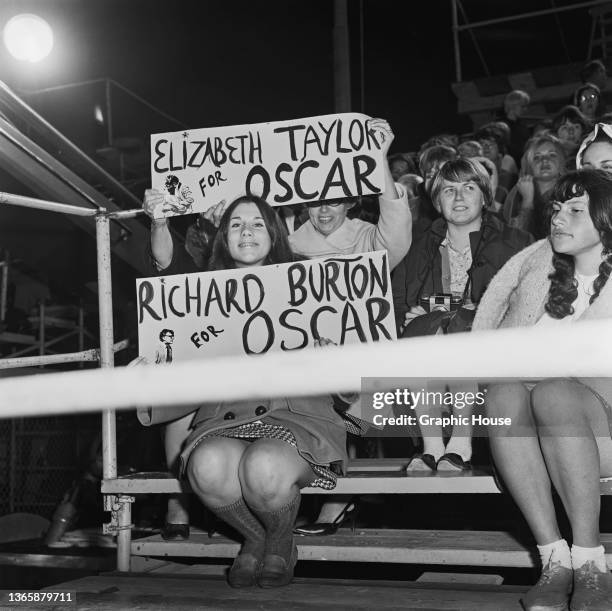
(214, 213)
(153, 201)
(382, 128)
(526, 188)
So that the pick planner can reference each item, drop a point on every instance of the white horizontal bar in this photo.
(581, 349)
(53, 359)
(43, 204)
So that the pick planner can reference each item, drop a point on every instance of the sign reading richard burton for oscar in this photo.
(285, 162)
(346, 299)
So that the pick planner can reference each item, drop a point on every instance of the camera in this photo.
(444, 302)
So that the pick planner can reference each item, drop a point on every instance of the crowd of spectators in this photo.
(478, 224)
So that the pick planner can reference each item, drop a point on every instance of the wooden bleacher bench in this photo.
(364, 476)
(430, 547)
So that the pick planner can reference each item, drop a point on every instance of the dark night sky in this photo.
(215, 62)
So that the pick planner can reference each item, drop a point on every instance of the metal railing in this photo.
(457, 6)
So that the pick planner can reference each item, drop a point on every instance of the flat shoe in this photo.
(421, 462)
(175, 532)
(453, 462)
(592, 589)
(551, 592)
(244, 571)
(276, 570)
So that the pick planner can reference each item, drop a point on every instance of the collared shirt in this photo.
(459, 262)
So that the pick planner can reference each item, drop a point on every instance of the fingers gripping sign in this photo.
(153, 203)
(380, 129)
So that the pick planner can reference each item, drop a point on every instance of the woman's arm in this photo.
(162, 247)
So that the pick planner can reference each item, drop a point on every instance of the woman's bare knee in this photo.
(271, 469)
(212, 463)
(557, 402)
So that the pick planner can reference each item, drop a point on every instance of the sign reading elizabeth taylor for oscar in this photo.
(285, 307)
(285, 162)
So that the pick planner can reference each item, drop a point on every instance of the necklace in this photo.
(585, 284)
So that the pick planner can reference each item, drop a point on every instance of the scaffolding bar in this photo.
(53, 359)
(548, 11)
(43, 204)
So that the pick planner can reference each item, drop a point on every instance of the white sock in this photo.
(557, 551)
(461, 446)
(433, 446)
(582, 555)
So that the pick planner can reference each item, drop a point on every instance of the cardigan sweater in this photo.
(517, 294)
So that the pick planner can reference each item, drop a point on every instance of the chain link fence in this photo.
(41, 457)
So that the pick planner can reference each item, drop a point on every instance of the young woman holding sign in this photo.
(247, 460)
(561, 429)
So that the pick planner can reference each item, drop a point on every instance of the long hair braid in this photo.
(604, 270)
(563, 287)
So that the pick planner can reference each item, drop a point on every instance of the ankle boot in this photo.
(280, 555)
(247, 564)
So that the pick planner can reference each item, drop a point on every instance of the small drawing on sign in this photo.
(178, 198)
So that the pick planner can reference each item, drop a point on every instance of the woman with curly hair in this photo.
(561, 429)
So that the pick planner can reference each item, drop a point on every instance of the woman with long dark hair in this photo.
(248, 460)
(561, 429)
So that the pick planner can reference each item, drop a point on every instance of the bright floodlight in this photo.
(28, 37)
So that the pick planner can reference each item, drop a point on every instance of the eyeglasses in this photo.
(324, 203)
(588, 96)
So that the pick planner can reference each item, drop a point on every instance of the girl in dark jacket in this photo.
(457, 257)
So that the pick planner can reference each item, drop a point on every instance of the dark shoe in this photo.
(453, 462)
(276, 570)
(421, 462)
(551, 592)
(348, 513)
(175, 532)
(244, 571)
(592, 589)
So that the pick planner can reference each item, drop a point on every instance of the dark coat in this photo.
(319, 431)
(420, 272)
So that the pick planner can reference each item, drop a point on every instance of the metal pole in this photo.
(81, 334)
(4, 286)
(43, 204)
(12, 465)
(41, 329)
(105, 304)
(109, 112)
(473, 37)
(549, 11)
(342, 65)
(109, 422)
(456, 41)
(362, 55)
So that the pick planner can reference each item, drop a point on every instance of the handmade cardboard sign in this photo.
(285, 307)
(285, 162)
